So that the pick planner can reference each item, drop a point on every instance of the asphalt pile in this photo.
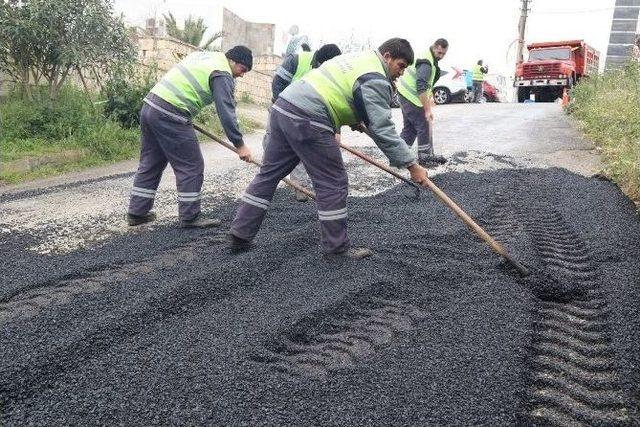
(170, 327)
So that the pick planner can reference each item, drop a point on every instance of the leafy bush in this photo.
(44, 118)
(608, 106)
(124, 96)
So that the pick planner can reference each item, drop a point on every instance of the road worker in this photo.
(293, 68)
(168, 136)
(349, 90)
(415, 90)
(477, 76)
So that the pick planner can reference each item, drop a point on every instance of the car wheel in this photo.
(441, 95)
(483, 99)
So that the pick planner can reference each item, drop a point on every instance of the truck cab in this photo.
(553, 67)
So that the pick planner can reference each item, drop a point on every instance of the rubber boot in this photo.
(238, 245)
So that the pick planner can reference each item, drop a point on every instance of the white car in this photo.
(450, 86)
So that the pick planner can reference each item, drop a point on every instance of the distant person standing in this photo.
(415, 93)
(478, 78)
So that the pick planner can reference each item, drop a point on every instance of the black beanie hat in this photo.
(327, 52)
(241, 55)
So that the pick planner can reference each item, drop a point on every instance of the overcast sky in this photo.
(474, 29)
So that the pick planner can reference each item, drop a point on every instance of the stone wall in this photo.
(256, 84)
(6, 84)
(164, 52)
(256, 36)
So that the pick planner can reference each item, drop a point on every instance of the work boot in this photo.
(134, 220)
(301, 197)
(356, 253)
(238, 245)
(200, 222)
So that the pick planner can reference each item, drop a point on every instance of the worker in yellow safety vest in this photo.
(168, 136)
(349, 90)
(293, 68)
(477, 75)
(415, 93)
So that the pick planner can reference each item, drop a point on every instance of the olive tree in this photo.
(46, 40)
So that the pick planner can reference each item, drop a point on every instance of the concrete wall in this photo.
(165, 52)
(257, 37)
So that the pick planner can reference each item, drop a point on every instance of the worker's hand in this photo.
(359, 127)
(244, 153)
(419, 174)
(429, 115)
(338, 138)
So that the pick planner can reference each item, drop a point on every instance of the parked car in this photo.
(451, 86)
(491, 93)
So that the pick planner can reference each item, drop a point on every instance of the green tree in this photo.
(49, 39)
(192, 32)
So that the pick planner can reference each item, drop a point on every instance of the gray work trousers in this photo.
(478, 91)
(293, 139)
(415, 124)
(299, 174)
(166, 139)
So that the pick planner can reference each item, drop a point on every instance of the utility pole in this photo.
(521, 27)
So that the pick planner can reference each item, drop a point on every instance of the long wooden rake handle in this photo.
(287, 181)
(496, 246)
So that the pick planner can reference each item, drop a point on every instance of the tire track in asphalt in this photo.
(31, 300)
(572, 375)
(341, 336)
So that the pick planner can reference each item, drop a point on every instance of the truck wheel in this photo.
(523, 93)
(441, 95)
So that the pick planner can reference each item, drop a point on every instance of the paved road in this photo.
(101, 324)
(88, 206)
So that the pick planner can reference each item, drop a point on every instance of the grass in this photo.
(608, 108)
(33, 130)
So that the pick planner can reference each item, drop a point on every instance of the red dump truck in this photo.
(553, 66)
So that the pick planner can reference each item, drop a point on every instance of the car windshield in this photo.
(546, 54)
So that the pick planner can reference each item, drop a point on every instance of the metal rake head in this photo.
(415, 193)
